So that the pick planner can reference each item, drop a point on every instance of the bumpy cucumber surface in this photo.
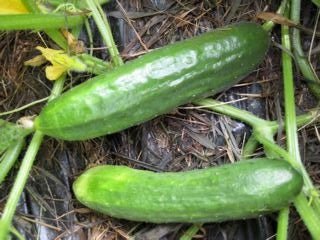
(155, 83)
(233, 191)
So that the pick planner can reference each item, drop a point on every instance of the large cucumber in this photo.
(233, 191)
(155, 83)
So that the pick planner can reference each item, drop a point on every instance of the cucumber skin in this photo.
(155, 83)
(234, 191)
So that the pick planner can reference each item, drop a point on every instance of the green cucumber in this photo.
(155, 83)
(233, 191)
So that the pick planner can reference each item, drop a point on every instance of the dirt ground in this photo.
(187, 138)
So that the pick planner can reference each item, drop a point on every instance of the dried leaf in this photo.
(276, 18)
(279, 19)
(75, 45)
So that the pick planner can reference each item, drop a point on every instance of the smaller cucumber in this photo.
(233, 191)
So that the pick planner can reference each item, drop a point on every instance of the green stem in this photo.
(301, 120)
(30, 155)
(233, 112)
(57, 37)
(90, 36)
(24, 107)
(191, 231)
(24, 171)
(16, 234)
(267, 134)
(250, 147)
(105, 31)
(289, 101)
(54, 34)
(116, 58)
(37, 21)
(302, 61)
(290, 121)
(95, 65)
(311, 116)
(309, 217)
(10, 158)
(300, 57)
(19, 184)
(282, 228)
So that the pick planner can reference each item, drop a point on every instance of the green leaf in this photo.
(10, 133)
(316, 2)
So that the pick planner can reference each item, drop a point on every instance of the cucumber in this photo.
(155, 83)
(233, 191)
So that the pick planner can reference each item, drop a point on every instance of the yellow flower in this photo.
(12, 7)
(61, 62)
